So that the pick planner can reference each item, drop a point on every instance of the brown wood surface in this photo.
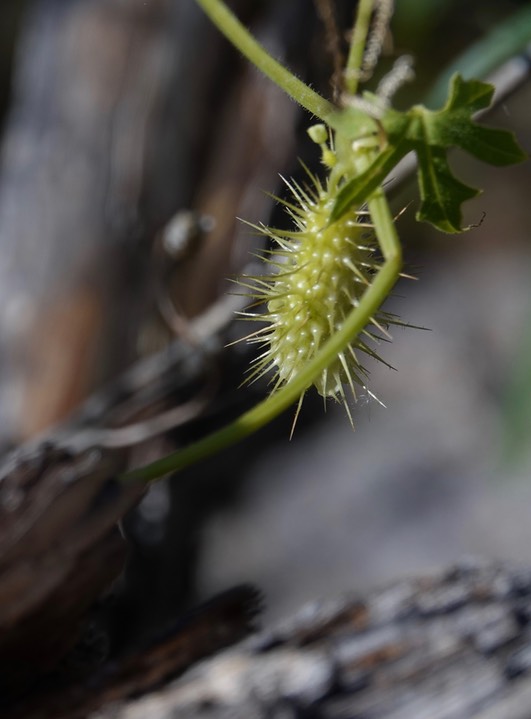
(99, 151)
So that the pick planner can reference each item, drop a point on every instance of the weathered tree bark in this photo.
(455, 645)
(452, 646)
(105, 142)
(58, 517)
(100, 150)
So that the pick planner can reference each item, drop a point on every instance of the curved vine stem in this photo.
(372, 299)
(234, 31)
(352, 72)
(268, 409)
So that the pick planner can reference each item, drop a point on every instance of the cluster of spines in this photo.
(318, 274)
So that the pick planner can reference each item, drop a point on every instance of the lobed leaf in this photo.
(430, 134)
(441, 193)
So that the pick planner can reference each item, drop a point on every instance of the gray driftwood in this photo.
(456, 645)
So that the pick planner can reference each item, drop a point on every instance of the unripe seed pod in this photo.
(319, 274)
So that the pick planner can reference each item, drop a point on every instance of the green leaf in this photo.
(433, 133)
(496, 147)
(430, 134)
(468, 95)
(441, 193)
(454, 126)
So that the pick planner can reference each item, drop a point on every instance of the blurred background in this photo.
(115, 116)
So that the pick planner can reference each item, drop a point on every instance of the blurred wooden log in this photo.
(59, 550)
(60, 502)
(456, 645)
(111, 101)
(224, 620)
(100, 150)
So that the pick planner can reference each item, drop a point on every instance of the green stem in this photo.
(276, 403)
(506, 40)
(357, 46)
(242, 39)
(384, 224)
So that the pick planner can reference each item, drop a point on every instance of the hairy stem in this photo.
(357, 46)
(242, 39)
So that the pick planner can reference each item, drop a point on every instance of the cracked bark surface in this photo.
(453, 645)
(456, 645)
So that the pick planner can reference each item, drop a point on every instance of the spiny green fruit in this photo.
(319, 272)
